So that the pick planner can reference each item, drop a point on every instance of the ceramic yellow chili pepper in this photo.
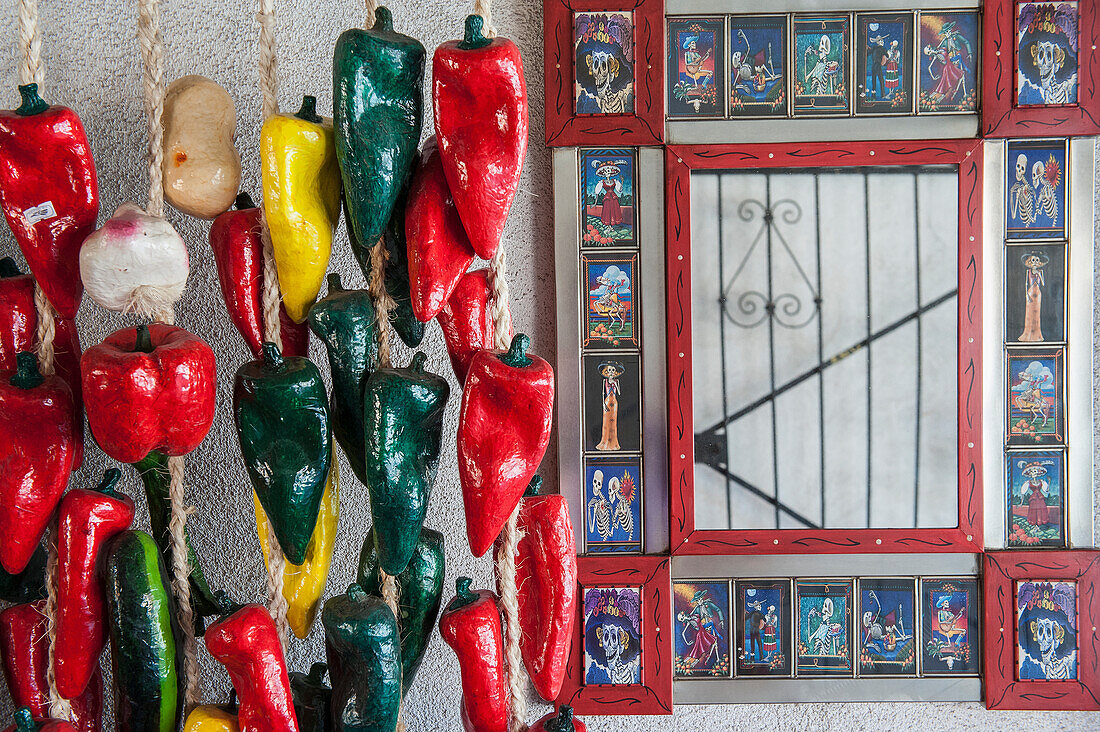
(303, 584)
(301, 181)
(211, 718)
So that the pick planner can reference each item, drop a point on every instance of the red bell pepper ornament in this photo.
(149, 388)
(49, 193)
(467, 321)
(470, 625)
(86, 521)
(481, 124)
(18, 332)
(247, 644)
(239, 256)
(546, 577)
(36, 424)
(559, 721)
(438, 249)
(503, 432)
(24, 648)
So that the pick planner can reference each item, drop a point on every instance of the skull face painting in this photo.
(612, 635)
(1047, 38)
(1046, 613)
(603, 65)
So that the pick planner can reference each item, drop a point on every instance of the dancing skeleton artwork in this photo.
(948, 63)
(825, 638)
(703, 626)
(882, 631)
(821, 74)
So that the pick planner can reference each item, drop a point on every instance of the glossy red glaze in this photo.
(481, 124)
(18, 332)
(238, 254)
(466, 322)
(473, 632)
(247, 644)
(36, 428)
(50, 196)
(439, 251)
(559, 721)
(86, 521)
(23, 648)
(503, 431)
(138, 402)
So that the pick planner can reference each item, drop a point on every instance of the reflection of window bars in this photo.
(763, 304)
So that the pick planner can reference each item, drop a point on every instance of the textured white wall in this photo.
(92, 64)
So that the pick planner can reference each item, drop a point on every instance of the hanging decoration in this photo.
(312, 699)
(471, 627)
(212, 718)
(392, 252)
(559, 721)
(28, 585)
(24, 722)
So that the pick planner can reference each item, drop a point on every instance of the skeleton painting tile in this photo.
(884, 63)
(1035, 207)
(948, 59)
(1046, 53)
(607, 197)
(696, 78)
(887, 627)
(758, 65)
(612, 635)
(702, 640)
(1035, 293)
(821, 64)
(611, 301)
(1036, 400)
(612, 402)
(604, 63)
(1046, 630)
(764, 629)
(1036, 493)
(613, 505)
(824, 614)
(950, 637)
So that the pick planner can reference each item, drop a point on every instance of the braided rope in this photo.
(47, 331)
(152, 53)
(276, 566)
(484, 9)
(60, 708)
(30, 44)
(369, 8)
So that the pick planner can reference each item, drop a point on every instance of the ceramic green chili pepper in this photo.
(378, 106)
(403, 417)
(364, 660)
(281, 411)
(421, 590)
(312, 699)
(344, 321)
(404, 320)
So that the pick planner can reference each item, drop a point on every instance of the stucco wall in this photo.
(92, 64)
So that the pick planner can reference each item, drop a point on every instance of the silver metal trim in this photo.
(812, 566)
(718, 7)
(993, 360)
(815, 129)
(780, 690)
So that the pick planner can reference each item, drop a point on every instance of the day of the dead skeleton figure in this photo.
(1048, 633)
(614, 640)
(1042, 178)
(599, 510)
(605, 69)
(1049, 58)
(624, 516)
(1021, 196)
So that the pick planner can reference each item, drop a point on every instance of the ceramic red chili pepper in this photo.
(247, 644)
(470, 625)
(503, 431)
(49, 193)
(437, 247)
(546, 575)
(24, 648)
(18, 332)
(86, 521)
(481, 122)
(24, 722)
(559, 721)
(149, 388)
(467, 322)
(239, 256)
(36, 429)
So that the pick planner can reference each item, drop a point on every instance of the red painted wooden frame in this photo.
(1002, 690)
(1000, 115)
(564, 127)
(679, 162)
(654, 694)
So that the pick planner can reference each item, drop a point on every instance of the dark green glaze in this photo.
(344, 321)
(31, 103)
(27, 586)
(364, 660)
(144, 637)
(421, 590)
(312, 699)
(153, 470)
(404, 321)
(403, 417)
(281, 411)
(378, 107)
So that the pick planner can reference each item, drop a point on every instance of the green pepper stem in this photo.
(243, 201)
(308, 111)
(334, 283)
(24, 722)
(317, 672)
(8, 268)
(356, 593)
(463, 595)
(563, 722)
(32, 104)
(272, 358)
(516, 357)
(383, 19)
(475, 34)
(144, 340)
(534, 488)
(419, 361)
(27, 375)
(107, 485)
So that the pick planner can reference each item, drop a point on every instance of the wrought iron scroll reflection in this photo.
(753, 307)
